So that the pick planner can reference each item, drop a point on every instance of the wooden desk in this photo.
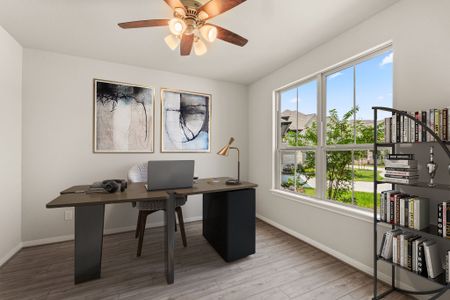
(228, 220)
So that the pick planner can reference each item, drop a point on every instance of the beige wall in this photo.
(419, 31)
(58, 128)
(10, 145)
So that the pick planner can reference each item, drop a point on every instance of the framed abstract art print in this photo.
(185, 121)
(123, 117)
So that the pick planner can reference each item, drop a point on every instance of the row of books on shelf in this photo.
(401, 129)
(401, 168)
(404, 210)
(414, 253)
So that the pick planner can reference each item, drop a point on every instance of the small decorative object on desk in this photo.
(431, 168)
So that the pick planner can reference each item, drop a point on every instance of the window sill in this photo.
(352, 212)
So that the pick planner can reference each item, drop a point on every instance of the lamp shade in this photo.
(209, 33)
(224, 151)
(200, 47)
(177, 26)
(172, 41)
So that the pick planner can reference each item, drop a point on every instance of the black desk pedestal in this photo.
(229, 223)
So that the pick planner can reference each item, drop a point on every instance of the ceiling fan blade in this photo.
(186, 44)
(174, 3)
(229, 36)
(144, 23)
(216, 7)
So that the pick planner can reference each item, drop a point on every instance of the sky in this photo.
(373, 85)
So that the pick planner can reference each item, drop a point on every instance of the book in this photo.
(389, 169)
(421, 213)
(408, 172)
(437, 122)
(389, 175)
(421, 263)
(415, 248)
(409, 251)
(402, 181)
(445, 124)
(417, 128)
(444, 219)
(411, 211)
(387, 130)
(440, 224)
(424, 131)
(447, 221)
(400, 163)
(398, 156)
(402, 212)
(432, 259)
(432, 122)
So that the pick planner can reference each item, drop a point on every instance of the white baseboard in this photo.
(342, 257)
(10, 254)
(70, 237)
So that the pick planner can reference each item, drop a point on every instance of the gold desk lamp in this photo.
(224, 152)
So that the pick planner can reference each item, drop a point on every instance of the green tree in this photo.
(340, 131)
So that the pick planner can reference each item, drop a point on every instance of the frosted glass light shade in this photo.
(177, 26)
(172, 41)
(209, 33)
(200, 47)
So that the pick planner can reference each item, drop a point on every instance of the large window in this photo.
(325, 130)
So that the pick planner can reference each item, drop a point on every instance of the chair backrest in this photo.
(138, 173)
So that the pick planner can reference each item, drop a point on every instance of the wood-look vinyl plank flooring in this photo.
(282, 268)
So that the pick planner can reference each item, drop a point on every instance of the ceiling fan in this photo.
(189, 25)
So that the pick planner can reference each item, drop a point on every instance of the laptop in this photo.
(170, 174)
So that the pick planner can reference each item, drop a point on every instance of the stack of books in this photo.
(412, 252)
(404, 210)
(401, 168)
(400, 129)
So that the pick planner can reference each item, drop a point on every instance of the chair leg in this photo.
(181, 222)
(176, 225)
(138, 225)
(141, 231)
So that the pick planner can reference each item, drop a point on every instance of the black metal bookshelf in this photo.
(431, 230)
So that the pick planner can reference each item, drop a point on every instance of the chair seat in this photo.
(159, 205)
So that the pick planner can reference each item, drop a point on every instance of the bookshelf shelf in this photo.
(447, 143)
(418, 184)
(431, 231)
(438, 280)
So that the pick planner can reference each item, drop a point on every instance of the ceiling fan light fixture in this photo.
(177, 26)
(180, 11)
(200, 47)
(172, 41)
(209, 33)
(202, 15)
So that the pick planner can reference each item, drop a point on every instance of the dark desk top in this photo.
(214, 185)
(136, 192)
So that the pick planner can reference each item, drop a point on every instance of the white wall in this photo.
(10, 145)
(420, 34)
(58, 135)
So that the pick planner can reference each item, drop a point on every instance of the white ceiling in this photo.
(278, 31)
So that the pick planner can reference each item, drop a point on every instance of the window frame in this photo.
(321, 148)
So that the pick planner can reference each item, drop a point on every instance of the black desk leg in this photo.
(88, 242)
(170, 237)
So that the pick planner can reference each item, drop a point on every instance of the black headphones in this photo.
(111, 185)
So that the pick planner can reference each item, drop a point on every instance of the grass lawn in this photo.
(362, 199)
(365, 175)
